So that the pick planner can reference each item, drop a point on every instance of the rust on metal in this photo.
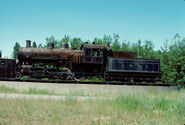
(92, 46)
(78, 57)
(46, 53)
(124, 54)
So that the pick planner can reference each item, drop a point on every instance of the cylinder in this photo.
(28, 43)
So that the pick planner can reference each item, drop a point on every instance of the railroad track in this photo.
(92, 82)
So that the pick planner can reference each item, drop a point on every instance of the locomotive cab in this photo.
(93, 60)
(94, 53)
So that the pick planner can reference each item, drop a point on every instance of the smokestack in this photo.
(0, 53)
(28, 43)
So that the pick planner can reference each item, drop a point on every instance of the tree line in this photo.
(171, 54)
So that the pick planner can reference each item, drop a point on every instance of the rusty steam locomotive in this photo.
(91, 60)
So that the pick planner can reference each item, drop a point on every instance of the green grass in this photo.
(4, 89)
(95, 79)
(151, 108)
(37, 91)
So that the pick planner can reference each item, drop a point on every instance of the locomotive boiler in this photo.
(47, 62)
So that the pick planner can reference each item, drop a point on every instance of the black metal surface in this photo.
(7, 68)
(28, 43)
(134, 65)
(51, 45)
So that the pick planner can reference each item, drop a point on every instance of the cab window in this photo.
(94, 52)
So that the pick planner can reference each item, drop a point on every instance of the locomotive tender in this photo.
(91, 60)
(7, 68)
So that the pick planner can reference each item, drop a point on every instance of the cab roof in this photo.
(94, 46)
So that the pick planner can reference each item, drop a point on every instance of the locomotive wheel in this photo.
(18, 75)
(78, 74)
(63, 77)
(67, 75)
(78, 77)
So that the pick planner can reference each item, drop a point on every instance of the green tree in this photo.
(40, 46)
(76, 43)
(116, 45)
(98, 41)
(65, 39)
(146, 50)
(143, 51)
(173, 61)
(104, 41)
(107, 39)
(15, 50)
(34, 45)
(52, 39)
(126, 46)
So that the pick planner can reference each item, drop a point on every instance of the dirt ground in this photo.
(84, 88)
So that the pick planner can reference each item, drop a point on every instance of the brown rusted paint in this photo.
(78, 57)
(124, 54)
(92, 46)
(75, 55)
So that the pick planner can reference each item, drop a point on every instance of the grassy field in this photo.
(149, 108)
(31, 90)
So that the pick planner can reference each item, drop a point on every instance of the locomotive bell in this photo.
(51, 45)
(64, 46)
(28, 43)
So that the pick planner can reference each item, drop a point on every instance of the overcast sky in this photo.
(155, 20)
